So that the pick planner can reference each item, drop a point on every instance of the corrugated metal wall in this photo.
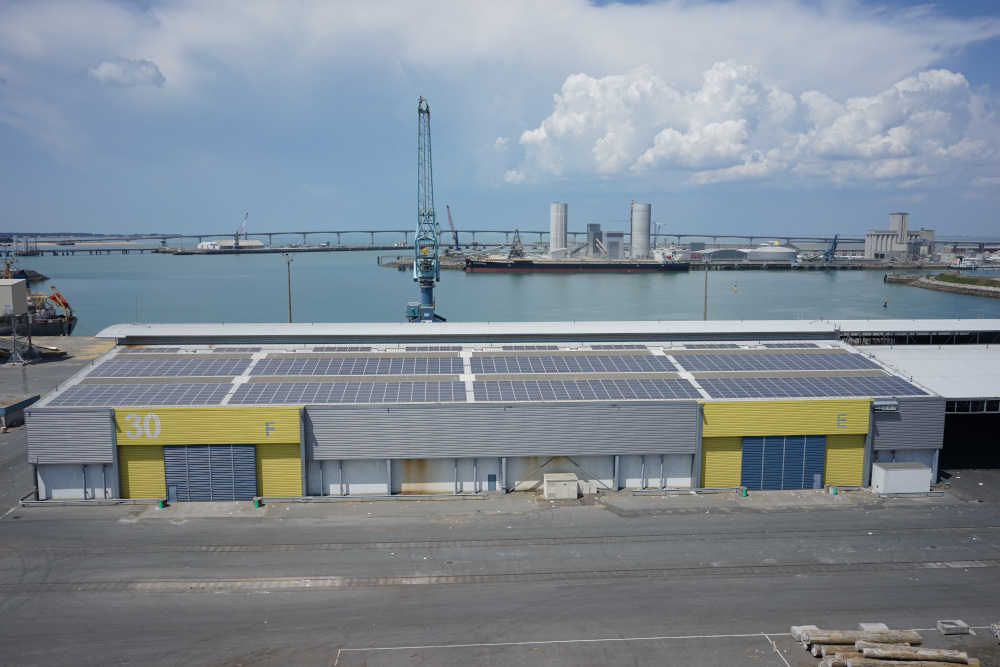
(69, 436)
(279, 470)
(207, 426)
(743, 418)
(919, 424)
(368, 432)
(721, 462)
(141, 471)
(845, 459)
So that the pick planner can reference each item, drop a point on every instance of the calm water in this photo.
(351, 287)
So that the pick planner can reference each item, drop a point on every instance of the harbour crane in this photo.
(830, 254)
(241, 230)
(451, 224)
(426, 262)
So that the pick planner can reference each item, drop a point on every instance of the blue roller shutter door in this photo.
(210, 472)
(782, 462)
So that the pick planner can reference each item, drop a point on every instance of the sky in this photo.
(808, 117)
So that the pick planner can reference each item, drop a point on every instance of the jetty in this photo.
(949, 282)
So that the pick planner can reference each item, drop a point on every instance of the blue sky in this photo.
(762, 116)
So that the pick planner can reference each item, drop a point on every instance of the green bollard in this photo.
(256, 502)
(833, 490)
(744, 493)
(159, 504)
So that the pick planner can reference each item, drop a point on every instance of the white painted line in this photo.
(777, 650)
(553, 641)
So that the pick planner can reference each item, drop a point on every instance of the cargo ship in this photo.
(547, 265)
(518, 262)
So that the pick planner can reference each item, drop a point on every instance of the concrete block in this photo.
(873, 627)
(953, 627)
(588, 488)
(797, 631)
(561, 486)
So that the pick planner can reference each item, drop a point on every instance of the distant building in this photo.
(898, 242)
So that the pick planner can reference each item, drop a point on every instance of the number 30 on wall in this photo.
(149, 427)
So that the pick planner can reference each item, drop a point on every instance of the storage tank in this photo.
(558, 214)
(640, 230)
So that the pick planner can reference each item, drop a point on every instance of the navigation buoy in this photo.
(886, 304)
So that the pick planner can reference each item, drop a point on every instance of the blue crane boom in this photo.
(426, 263)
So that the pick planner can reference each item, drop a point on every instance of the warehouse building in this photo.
(233, 412)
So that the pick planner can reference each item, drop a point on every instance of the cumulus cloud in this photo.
(125, 73)
(737, 125)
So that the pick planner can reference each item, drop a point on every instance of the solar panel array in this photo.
(775, 362)
(809, 387)
(360, 366)
(787, 346)
(311, 393)
(616, 346)
(572, 364)
(88, 395)
(155, 377)
(583, 390)
(187, 366)
(709, 346)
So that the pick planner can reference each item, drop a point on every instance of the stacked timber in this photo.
(875, 646)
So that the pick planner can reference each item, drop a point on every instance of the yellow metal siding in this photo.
(741, 418)
(721, 462)
(279, 470)
(845, 458)
(207, 426)
(141, 471)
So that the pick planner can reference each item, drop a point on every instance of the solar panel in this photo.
(360, 366)
(809, 387)
(181, 366)
(320, 393)
(233, 348)
(152, 350)
(788, 346)
(572, 364)
(582, 390)
(123, 395)
(774, 362)
(341, 348)
(434, 348)
(530, 347)
(616, 346)
(708, 346)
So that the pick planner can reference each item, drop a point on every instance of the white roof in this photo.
(951, 371)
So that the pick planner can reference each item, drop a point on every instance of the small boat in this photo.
(48, 314)
(963, 263)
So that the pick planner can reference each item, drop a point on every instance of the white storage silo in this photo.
(558, 214)
(640, 230)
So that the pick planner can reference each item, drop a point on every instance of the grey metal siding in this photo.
(70, 436)
(366, 432)
(919, 424)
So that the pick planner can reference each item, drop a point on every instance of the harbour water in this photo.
(351, 287)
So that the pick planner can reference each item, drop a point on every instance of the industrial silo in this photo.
(557, 227)
(640, 230)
